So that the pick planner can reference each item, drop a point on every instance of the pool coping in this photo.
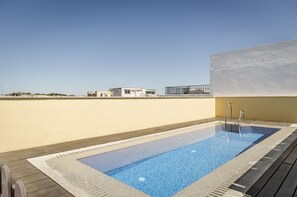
(66, 170)
(252, 176)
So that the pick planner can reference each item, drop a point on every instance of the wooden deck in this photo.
(38, 184)
(280, 180)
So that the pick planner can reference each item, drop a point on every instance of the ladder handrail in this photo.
(241, 116)
(226, 115)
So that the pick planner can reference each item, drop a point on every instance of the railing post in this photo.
(6, 182)
(19, 189)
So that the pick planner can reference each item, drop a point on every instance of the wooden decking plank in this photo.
(45, 193)
(42, 184)
(25, 168)
(44, 190)
(272, 186)
(66, 195)
(26, 165)
(19, 172)
(49, 191)
(11, 160)
(19, 163)
(24, 174)
(60, 192)
(290, 184)
(33, 178)
(256, 188)
(292, 157)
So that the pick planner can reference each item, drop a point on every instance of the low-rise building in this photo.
(100, 93)
(187, 90)
(133, 92)
(151, 92)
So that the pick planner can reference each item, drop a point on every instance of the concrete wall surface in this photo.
(26, 123)
(279, 109)
(269, 70)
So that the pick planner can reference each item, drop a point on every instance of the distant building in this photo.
(187, 90)
(150, 92)
(133, 92)
(100, 93)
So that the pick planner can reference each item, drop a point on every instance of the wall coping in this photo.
(102, 98)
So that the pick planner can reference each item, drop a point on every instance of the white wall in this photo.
(269, 70)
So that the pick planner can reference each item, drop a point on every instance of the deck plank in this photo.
(274, 183)
(256, 188)
(48, 192)
(290, 184)
(292, 157)
(42, 184)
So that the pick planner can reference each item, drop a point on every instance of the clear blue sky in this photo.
(74, 46)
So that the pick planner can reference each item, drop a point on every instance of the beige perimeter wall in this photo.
(280, 109)
(26, 123)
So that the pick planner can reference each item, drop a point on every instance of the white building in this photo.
(100, 93)
(269, 70)
(133, 92)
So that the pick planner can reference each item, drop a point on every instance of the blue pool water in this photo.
(164, 167)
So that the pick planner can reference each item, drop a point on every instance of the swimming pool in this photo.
(119, 169)
(164, 167)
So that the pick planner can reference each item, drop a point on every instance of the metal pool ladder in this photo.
(241, 116)
(229, 107)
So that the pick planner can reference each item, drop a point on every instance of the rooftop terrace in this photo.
(261, 81)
